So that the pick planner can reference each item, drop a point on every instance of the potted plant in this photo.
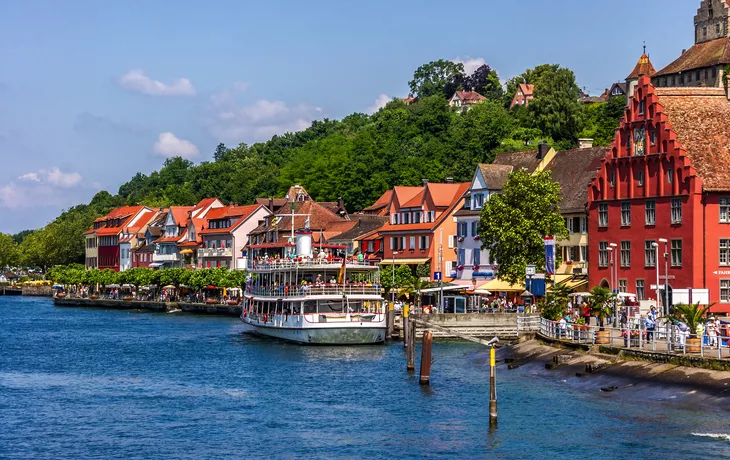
(632, 334)
(601, 305)
(693, 316)
(461, 239)
(476, 237)
(460, 268)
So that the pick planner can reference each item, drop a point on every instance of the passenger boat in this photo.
(313, 296)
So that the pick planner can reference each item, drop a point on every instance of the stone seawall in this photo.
(198, 308)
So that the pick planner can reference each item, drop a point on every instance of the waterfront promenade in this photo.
(661, 345)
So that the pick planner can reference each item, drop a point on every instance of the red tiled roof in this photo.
(444, 195)
(89, 231)
(188, 244)
(643, 67)
(237, 213)
(125, 212)
(181, 214)
(470, 97)
(384, 200)
(527, 89)
(712, 53)
(416, 201)
(405, 193)
(699, 117)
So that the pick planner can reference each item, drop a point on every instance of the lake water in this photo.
(80, 383)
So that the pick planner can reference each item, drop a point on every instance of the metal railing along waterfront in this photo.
(664, 338)
(314, 290)
(305, 262)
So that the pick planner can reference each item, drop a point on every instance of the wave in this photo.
(724, 437)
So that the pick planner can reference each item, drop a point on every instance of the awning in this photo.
(186, 251)
(497, 285)
(445, 288)
(575, 284)
(405, 261)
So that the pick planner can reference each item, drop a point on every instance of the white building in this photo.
(473, 262)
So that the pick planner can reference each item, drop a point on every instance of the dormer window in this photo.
(642, 107)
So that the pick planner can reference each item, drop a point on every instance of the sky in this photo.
(92, 92)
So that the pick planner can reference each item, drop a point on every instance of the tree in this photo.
(691, 315)
(413, 287)
(221, 152)
(513, 225)
(600, 303)
(555, 108)
(485, 81)
(9, 254)
(440, 77)
(403, 277)
(477, 133)
(554, 304)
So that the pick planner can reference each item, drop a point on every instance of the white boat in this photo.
(311, 300)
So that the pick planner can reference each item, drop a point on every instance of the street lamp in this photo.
(474, 291)
(655, 245)
(614, 268)
(610, 267)
(666, 275)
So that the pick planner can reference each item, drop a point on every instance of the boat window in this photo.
(310, 306)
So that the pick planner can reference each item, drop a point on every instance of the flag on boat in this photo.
(341, 276)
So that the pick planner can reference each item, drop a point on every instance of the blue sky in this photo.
(92, 92)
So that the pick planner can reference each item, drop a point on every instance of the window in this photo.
(603, 254)
(476, 257)
(478, 201)
(474, 228)
(652, 136)
(724, 252)
(423, 242)
(681, 77)
(412, 241)
(689, 77)
(406, 219)
(603, 215)
(714, 72)
(640, 178)
(569, 224)
(640, 291)
(461, 256)
(584, 253)
(650, 212)
(583, 225)
(725, 210)
(371, 246)
(670, 175)
(697, 75)
(626, 214)
(612, 179)
(622, 285)
(676, 211)
(642, 107)
(625, 254)
(451, 241)
(676, 253)
(649, 254)
(673, 81)
(724, 291)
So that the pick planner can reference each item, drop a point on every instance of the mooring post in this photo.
(426, 358)
(411, 350)
(390, 320)
(492, 387)
(405, 326)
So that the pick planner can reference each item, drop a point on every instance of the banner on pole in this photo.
(549, 255)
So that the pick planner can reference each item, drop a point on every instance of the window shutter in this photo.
(451, 241)
(413, 243)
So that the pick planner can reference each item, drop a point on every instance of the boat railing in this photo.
(353, 317)
(303, 262)
(314, 290)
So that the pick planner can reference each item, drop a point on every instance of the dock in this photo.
(161, 307)
(506, 326)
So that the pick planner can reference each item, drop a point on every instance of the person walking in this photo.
(712, 331)
(650, 324)
(586, 310)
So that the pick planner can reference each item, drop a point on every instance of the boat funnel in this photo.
(304, 243)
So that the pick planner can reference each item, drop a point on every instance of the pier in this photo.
(187, 307)
(506, 326)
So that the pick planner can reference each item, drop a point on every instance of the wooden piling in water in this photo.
(390, 320)
(411, 350)
(426, 342)
(492, 387)
(406, 328)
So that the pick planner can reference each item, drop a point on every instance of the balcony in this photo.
(304, 263)
(215, 252)
(314, 290)
(166, 257)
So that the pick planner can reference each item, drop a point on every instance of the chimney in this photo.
(542, 149)
(449, 180)
(424, 182)
(340, 202)
(271, 204)
(585, 143)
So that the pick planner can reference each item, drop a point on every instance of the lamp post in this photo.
(666, 275)
(613, 247)
(474, 292)
(655, 245)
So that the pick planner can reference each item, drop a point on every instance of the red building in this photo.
(666, 176)
(105, 235)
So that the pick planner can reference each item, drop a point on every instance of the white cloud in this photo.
(31, 176)
(61, 179)
(470, 64)
(136, 80)
(380, 102)
(168, 145)
(53, 177)
(232, 122)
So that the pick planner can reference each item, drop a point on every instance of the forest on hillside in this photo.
(356, 158)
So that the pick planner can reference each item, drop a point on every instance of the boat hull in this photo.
(360, 335)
